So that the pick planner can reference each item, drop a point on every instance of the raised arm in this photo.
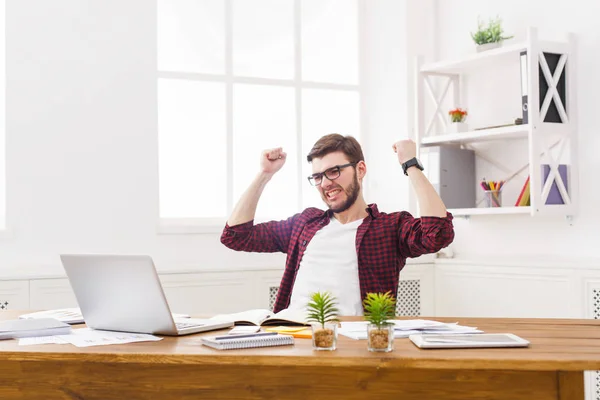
(430, 203)
(271, 161)
(240, 233)
(434, 230)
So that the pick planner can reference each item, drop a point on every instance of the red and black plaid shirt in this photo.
(383, 243)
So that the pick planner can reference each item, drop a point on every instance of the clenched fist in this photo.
(405, 149)
(272, 160)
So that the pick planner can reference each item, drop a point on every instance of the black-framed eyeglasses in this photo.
(331, 174)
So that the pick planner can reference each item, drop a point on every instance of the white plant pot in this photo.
(488, 46)
(457, 127)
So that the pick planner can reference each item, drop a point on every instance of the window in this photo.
(238, 76)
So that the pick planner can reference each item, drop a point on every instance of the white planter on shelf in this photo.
(457, 127)
(488, 46)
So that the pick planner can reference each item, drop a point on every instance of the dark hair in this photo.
(336, 142)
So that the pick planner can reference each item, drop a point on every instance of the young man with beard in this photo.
(351, 249)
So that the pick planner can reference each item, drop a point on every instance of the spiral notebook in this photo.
(247, 341)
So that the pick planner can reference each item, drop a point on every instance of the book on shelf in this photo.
(524, 197)
(247, 341)
(262, 317)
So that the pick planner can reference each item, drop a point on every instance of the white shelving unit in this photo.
(541, 137)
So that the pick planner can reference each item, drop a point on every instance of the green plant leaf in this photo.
(490, 33)
(379, 308)
(322, 308)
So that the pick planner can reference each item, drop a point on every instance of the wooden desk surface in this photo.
(181, 368)
(556, 345)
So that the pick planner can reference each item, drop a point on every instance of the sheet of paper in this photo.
(361, 335)
(41, 340)
(403, 328)
(86, 337)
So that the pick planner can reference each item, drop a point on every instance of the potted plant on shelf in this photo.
(490, 36)
(323, 312)
(457, 119)
(379, 309)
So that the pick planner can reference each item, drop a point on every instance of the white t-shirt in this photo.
(330, 263)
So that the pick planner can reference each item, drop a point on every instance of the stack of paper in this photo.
(66, 315)
(19, 328)
(87, 337)
(70, 315)
(405, 328)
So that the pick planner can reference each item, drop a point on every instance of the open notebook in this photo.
(260, 317)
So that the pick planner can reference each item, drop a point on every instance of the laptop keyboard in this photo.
(183, 325)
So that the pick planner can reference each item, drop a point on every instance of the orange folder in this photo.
(301, 332)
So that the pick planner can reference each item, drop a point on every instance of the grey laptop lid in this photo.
(119, 293)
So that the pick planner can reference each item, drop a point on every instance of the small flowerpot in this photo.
(324, 338)
(380, 339)
(457, 127)
(488, 46)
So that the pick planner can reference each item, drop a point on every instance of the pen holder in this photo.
(493, 198)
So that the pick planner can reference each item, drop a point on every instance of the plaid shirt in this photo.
(383, 243)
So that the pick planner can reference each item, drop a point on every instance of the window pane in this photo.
(330, 41)
(191, 36)
(323, 112)
(192, 149)
(263, 118)
(263, 38)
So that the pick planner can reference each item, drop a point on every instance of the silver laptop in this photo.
(123, 293)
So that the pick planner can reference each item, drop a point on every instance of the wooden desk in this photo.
(180, 368)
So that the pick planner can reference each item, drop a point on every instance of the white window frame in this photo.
(215, 225)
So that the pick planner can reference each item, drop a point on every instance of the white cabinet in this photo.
(14, 295)
(51, 293)
(483, 289)
(211, 293)
(206, 293)
(194, 293)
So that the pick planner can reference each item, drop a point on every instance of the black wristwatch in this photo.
(413, 162)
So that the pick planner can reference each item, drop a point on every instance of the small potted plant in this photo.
(457, 119)
(490, 36)
(379, 309)
(323, 312)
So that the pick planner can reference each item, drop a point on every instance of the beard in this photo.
(351, 195)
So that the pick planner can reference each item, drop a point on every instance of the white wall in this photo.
(81, 133)
(521, 235)
(385, 97)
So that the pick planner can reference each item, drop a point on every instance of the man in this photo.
(351, 249)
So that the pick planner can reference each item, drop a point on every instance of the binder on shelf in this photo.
(524, 88)
(524, 196)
